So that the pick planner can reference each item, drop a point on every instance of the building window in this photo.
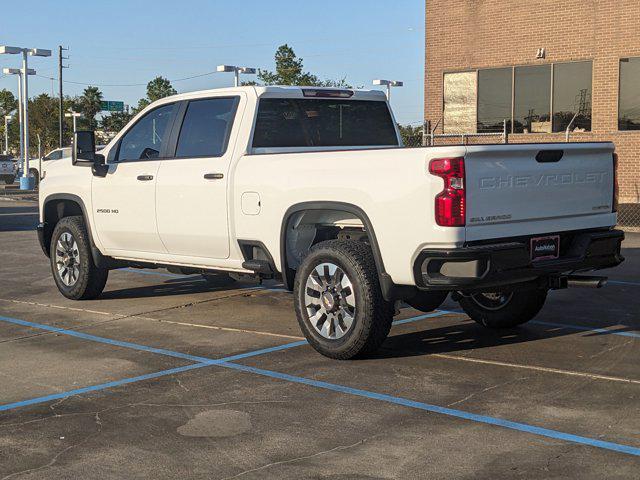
(629, 100)
(532, 99)
(572, 96)
(494, 99)
(459, 114)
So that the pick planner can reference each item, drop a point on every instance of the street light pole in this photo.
(388, 84)
(74, 115)
(6, 133)
(236, 72)
(25, 115)
(26, 183)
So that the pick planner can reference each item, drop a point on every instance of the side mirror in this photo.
(84, 148)
(84, 153)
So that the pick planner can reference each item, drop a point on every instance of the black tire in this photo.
(90, 279)
(514, 309)
(218, 280)
(372, 315)
(9, 180)
(428, 301)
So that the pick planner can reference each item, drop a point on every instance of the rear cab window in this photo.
(206, 127)
(299, 123)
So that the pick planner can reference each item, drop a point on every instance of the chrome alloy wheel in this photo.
(330, 301)
(67, 259)
(492, 300)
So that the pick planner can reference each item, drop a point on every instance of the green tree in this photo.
(115, 121)
(89, 106)
(290, 71)
(43, 121)
(411, 135)
(157, 88)
(8, 102)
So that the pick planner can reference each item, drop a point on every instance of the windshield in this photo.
(293, 122)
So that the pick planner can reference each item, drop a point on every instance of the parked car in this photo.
(310, 185)
(8, 169)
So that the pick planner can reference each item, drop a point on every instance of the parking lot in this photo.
(166, 376)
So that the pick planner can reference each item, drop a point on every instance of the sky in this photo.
(121, 45)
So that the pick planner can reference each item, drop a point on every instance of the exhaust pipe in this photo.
(585, 281)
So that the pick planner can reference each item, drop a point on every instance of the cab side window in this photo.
(206, 127)
(148, 137)
(55, 155)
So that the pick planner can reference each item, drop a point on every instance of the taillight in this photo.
(450, 202)
(615, 183)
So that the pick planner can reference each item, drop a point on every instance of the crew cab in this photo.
(312, 186)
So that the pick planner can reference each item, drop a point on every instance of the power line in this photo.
(126, 84)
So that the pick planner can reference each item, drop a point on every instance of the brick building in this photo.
(535, 66)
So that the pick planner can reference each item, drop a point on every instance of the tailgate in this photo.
(537, 188)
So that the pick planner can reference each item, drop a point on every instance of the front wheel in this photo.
(504, 309)
(339, 302)
(74, 272)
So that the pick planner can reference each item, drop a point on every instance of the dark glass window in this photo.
(284, 122)
(629, 101)
(206, 127)
(146, 139)
(55, 155)
(494, 99)
(571, 96)
(532, 99)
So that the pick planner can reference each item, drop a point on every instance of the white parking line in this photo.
(593, 376)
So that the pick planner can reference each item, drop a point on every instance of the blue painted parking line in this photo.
(109, 341)
(624, 282)
(227, 363)
(522, 427)
(101, 386)
(586, 329)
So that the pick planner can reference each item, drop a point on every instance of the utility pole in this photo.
(61, 99)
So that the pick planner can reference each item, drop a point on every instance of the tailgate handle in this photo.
(549, 156)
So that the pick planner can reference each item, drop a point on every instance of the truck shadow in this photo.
(186, 286)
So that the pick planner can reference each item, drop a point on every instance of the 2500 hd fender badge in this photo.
(106, 210)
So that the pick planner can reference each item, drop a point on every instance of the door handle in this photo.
(213, 176)
(145, 178)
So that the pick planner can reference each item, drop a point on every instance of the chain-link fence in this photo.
(629, 216)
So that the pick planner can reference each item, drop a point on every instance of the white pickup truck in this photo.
(311, 185)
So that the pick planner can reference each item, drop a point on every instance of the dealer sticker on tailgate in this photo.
(545, 248)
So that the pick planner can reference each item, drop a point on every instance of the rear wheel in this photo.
(338, 300)
(9, 180)
(504, 309)
(74, 272)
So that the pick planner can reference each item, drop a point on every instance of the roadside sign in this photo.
(112, 106)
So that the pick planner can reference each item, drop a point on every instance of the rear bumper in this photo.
(484, 266)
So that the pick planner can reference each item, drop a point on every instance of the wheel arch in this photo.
(58, 206)
(351, 209)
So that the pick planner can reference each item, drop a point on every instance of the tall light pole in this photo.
(74, 115)
(26, 182)
(6, 133)
(18, 72)
(388, 84)
(236, 72)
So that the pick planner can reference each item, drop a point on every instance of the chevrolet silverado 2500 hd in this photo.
(310, 185)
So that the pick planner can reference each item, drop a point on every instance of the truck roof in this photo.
(282, 91)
